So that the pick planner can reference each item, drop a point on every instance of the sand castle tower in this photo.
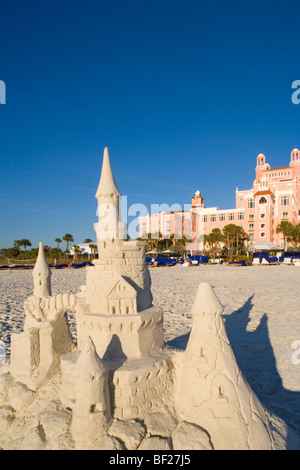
(41, 275)
(115, 310)
(211, 390)
(37, 351)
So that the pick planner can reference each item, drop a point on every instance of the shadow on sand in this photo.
(255, 357)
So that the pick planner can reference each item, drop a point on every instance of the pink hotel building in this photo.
(274, 197)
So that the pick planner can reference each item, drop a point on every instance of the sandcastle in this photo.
(120, 387)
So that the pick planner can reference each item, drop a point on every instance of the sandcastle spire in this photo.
(107, 185)
(41, 275)
(211, 388)
(108, 196)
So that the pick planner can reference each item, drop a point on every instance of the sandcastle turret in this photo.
(108, 197)
(211, 390)
(41, 275)
(92, 412)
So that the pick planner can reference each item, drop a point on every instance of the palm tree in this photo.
(17, 244)
(290, 232)
(24, 242)
(234, 238)
(58, 241)
(88, 240)
(285, 229)
(76, 250)
(68, 238)
(93, 249)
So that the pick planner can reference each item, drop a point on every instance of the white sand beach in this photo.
(261, 312)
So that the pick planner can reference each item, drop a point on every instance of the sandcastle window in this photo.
(114, 310)
(127, 309)
(263, 200)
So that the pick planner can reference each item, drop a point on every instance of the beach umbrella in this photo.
(264, 246)
(153, 252)
(215, 250)
(169, 252)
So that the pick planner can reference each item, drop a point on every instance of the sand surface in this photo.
(261, 313)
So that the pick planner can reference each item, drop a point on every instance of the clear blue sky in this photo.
(184, 94)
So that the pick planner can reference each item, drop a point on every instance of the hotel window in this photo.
(285, 215)
(251, 216)
(251, 236)
(285, 200)
(241, 216)
(263, 200)
(251, 203)
(262, 225)
(251, 226)
(262, 234)
(213, 218)
(204, 218)
(231, 216)
(222, 217)
(262, 216)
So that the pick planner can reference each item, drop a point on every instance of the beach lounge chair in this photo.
(237, 263)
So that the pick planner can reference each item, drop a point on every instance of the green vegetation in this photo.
(230, 241)
(155, 241)
(16, 253)
(290, 233)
